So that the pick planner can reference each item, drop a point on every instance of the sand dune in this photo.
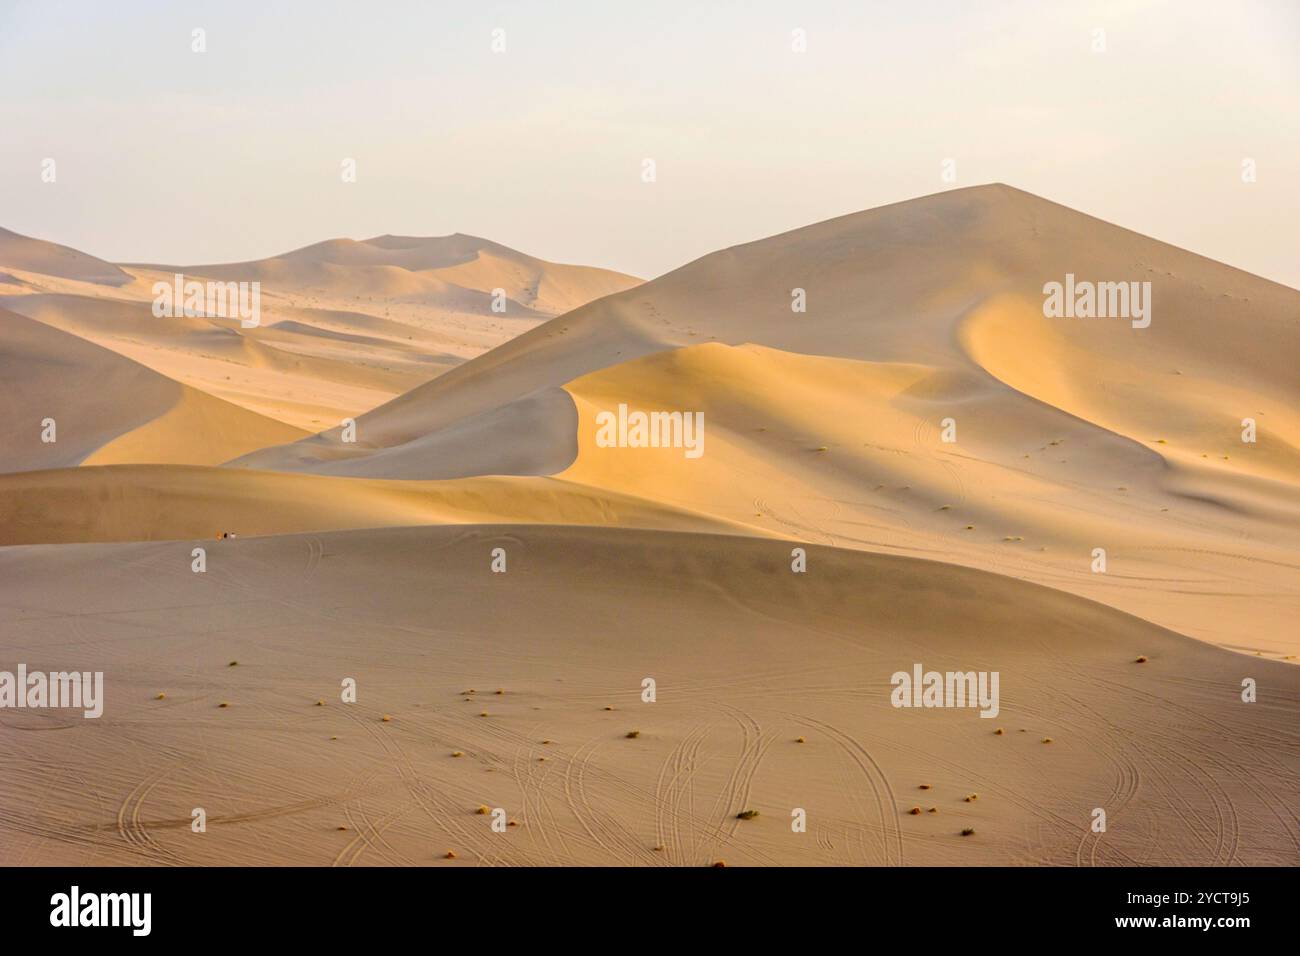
(746, 656)
(24, 254)
(824, 429)
(899, 283)
(129, 502)
(442, 266)
(533, 435)
(1072, 434)
(345, 326)
(299, 378)
(107, 409)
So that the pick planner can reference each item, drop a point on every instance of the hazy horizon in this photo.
(167, 155)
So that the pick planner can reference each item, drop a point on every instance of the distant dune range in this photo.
(476, 430)
(345, 325)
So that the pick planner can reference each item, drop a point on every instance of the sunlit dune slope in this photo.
(106, 408)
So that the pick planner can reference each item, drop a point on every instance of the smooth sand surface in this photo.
(824, 430)
(747, 658)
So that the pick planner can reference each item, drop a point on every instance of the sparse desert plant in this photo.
(999, 732)
(1141, 660)
(968, 831)
(915, 811)
(483, 811)
(746, 814)
(1047, 740)
(632, 734)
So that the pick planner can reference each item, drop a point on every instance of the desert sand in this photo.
(344, 326)
(824, 431)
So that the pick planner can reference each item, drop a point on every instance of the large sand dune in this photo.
(824, 429)
(901, 283)
(825, 425)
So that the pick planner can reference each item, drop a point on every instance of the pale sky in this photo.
(167, 155)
